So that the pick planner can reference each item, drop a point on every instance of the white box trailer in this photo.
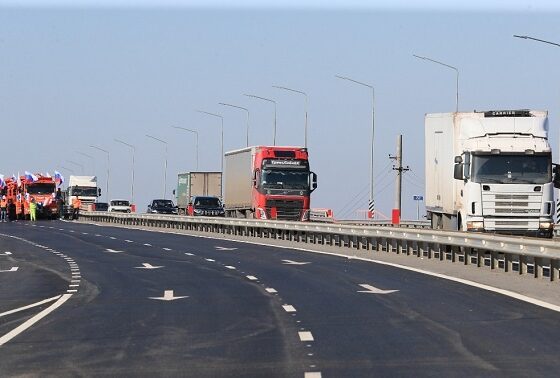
(489, 172)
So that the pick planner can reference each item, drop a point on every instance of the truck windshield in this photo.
(207, 202)
(40, 189)
(285, 179)
(510, 169)
(84, 191)
(163, 203)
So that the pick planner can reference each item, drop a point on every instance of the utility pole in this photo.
(396, 215)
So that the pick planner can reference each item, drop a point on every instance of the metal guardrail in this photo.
(537, 257)
(388, 223)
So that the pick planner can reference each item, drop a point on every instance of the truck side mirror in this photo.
(98, 192)
(254, 179)
(556, 176)
(458, 159)
(313, 181)
(173, 191)
(458, 171)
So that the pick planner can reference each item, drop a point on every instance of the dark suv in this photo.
(162, 206)
(206, 206)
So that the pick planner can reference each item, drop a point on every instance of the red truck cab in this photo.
(269, 182)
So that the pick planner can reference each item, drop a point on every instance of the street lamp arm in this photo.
(154, 138)
(260, 98)
(536, 39)
(437, 62)
(126, 144)
(354, 81)
(289, 89)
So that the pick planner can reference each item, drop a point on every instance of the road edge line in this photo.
(29, 306)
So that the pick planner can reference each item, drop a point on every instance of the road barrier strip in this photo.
(523, 256)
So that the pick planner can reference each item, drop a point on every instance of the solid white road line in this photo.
(270, 290)
(289, 308)
(29, 306)
(252, 278)
(305, 336)
(16, 331)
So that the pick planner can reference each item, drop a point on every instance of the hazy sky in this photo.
(81, 75)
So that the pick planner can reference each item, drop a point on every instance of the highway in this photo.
(140, 303)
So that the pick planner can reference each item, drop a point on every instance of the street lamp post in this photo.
(133, 153)
(77, 165)
(196, 134)
(371, 204)
(108, 169)
(274, 102)
(165, 166)
(242, 108)
(456, 80)
(222, 140)
(542, 41)
(89, 157)
(306, 105)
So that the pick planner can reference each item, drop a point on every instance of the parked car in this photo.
(121, 206)
(206, 206)
(162, 206)
(101, 206)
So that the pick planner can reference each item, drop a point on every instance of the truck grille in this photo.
(285, 209)
(511, 211)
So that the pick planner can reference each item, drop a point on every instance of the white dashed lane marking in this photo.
(129, 241)
(252, 278)
(289, 308)
(230, 267)
(147, 244)
(189, 254)
(167, 249)
(305, 336)
(271, 290)
(211, 260)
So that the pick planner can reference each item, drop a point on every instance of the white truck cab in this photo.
(490, 172)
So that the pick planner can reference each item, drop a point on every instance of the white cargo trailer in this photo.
(489, 172)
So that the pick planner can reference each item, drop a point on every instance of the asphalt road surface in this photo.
(87, 300)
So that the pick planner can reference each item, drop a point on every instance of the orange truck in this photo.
(38, 187)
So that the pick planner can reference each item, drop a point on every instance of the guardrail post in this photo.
(538, 267)
(493, 260)
(522, 264)
(554, 271)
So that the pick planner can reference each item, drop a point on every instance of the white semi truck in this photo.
(85, 187)
(490, 172)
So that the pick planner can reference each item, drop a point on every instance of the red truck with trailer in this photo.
(268, 182)
(42, 189)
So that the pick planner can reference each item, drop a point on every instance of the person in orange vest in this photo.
(3, 209)
(33, 209)
(76, 203)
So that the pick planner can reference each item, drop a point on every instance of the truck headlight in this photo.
(546, 225)
(478, 225)
(261, 214)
